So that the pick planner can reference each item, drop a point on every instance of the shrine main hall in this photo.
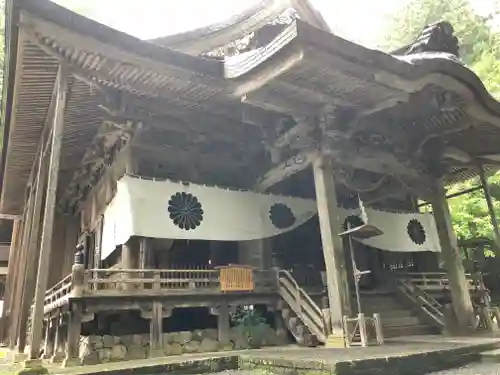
(159, 188)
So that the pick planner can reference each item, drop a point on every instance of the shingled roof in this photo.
(383, 115)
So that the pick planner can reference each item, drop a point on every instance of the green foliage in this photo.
(250, 321)
(479, 43)
(480, 51)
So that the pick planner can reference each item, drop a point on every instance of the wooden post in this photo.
(156, 329)
(58, 355)
(20, 277)
(333, 252)
(74, 330)
(145, 253)
(462, 304)
(379, 332)
(11, 273)
(128, 263)
(491, 209)
(48, 217)
(33, 252)
(362, 329)
(48, 348)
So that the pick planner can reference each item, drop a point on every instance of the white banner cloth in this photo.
(176, 210)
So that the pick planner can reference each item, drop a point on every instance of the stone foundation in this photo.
(103, 349)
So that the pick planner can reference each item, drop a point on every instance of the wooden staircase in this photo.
(303, 317)
(397, 319)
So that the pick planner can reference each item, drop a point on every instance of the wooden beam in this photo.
(9, 217)
(48, 217)
(286, 169)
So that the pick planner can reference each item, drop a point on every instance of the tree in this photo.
(480, 51)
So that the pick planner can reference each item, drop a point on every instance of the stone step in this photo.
(491, 356)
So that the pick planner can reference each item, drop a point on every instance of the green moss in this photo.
(36, 370)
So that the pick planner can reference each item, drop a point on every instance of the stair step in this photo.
(399, 321)
(400, 313)
(413, 330)
(491, 356)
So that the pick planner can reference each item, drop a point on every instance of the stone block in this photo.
(210, 334)
(157, 353)
(184, 337)
(191, 347)
(197, 335)
(208, 345)
(136, 352)
(104, 355)
(90, 359)
(108, 341)
(71, 362)
(137, 340)
(19, 357)
(168, 338)
(127, 340)
(118, 352)
(176, 348)
(226, 347)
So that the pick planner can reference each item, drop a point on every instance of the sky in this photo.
(361, 21)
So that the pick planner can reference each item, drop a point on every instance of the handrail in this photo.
(111, 281)
(435, 280)
(303, 305)
(427, 304)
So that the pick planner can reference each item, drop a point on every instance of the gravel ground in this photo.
(473, 369)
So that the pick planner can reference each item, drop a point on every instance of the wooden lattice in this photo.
(236, 279)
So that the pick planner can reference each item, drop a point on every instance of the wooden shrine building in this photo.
(216, 169)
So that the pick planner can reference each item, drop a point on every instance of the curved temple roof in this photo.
(386, 120)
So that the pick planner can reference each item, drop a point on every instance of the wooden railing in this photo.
(111, 280)
(435, 281)
(103, 282)
(302, 304)
(427, 305)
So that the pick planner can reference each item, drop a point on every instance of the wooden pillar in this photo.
(33, 253)
(49, 344)
(256, 253)
(461, 299)
(20, 277)
(48, 217)
(491, 209)
(156, 330)
(58, 354)
(145, 253)
(11, 274)
(333, 252)
(73, 338)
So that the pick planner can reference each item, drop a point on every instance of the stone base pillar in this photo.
(223, 327)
